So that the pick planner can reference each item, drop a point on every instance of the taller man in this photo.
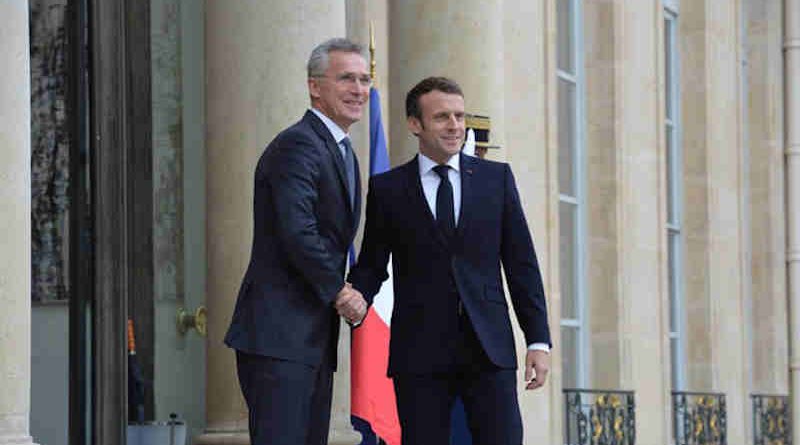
(306, 210)
(449, 221)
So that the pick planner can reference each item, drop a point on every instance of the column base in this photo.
(16, 440)
(223, 438)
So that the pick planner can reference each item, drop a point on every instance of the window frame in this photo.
(578, 199)
(674, 198)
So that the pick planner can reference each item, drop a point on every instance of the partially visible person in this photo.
(306, 208)
(449, 221)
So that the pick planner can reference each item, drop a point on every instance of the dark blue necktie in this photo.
(445, 212)
(350, 170)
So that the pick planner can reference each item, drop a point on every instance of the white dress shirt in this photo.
(336, 131)
(430, 185)
(430, 182)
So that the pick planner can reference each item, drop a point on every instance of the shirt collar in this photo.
(427, 164)
(336, 131)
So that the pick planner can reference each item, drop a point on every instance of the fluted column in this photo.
(460, 39)
(15, 239)
(641, 227)
(792, 107)
(256, 54)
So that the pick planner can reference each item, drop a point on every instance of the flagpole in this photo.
(372, 62)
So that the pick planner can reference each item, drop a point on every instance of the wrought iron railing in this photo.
(699, 418)
(772, 420)
(597, 417)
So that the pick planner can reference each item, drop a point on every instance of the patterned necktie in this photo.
(445, 212)
(350, 169)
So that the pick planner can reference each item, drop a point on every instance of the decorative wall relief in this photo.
(49, 152)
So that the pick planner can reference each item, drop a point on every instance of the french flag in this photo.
(372, 401)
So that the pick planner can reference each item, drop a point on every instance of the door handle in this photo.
(197, 321)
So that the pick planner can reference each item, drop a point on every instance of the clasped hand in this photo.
(350, 304)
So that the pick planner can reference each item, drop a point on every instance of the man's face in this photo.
(342, 92)
(441, 129)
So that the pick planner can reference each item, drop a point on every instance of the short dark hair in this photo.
(425, 86)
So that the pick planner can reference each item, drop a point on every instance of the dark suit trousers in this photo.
(289, 402)
(425, 401)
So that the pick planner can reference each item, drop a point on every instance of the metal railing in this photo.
(772, 420)
(699, 418)
(599, 417)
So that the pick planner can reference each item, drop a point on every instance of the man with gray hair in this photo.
(307, 205)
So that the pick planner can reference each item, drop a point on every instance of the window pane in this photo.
(671, 195)
(569, 356)
(672, 261)
(669, 51)
(565, 12)
(673, 362)
(676, 363)
(566, 137)
(567, 213)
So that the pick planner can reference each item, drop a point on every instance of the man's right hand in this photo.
(350, 304)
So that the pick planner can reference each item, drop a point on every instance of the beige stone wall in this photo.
(693, 85)
(726, 267)
(765, 144)
(601, 194)
(644, 358)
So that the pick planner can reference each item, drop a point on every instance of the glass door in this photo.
(169, 399)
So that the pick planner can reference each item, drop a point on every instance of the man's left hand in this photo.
(350, 304)
(537, 365)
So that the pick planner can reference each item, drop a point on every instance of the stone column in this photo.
(792, 97)
(256, 54)
(643, 296)
(726, 227)
(15, 258)
(462, 40)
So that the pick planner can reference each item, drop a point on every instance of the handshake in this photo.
(350, 304)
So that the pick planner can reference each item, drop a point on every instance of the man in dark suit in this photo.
(449, 220)
(306, 208)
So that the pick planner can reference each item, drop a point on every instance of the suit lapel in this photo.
(331, 145)
(357, 210)
(468, 171)
(418, 202)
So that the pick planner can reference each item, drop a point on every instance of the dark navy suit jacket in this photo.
(303, 227)
(491, 230)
